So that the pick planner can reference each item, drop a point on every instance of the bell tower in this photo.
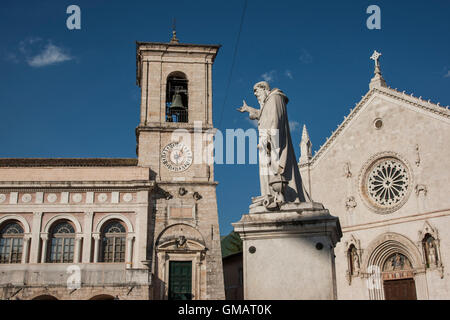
(176, 97)
(174, 140)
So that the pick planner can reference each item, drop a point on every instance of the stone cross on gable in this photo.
(377, 80)
(375, 56)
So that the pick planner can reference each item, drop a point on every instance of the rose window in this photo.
(387, 182)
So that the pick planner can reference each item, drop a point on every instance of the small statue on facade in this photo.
(356, 265)
(347, 172)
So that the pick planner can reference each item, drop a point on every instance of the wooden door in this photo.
(404, 289)
(180, 280)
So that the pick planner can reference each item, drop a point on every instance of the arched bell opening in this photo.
(177, 97)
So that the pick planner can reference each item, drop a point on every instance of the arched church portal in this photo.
(395, 269)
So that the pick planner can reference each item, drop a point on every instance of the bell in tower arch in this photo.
(177, 103)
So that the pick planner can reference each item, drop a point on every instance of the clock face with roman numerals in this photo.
(176, 157)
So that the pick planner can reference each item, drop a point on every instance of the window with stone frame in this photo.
(11, 243)
(177, 97)
(114, 236)
(62, 243)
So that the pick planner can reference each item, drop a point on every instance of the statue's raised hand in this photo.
(244, 107)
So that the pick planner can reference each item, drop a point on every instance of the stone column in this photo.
(35, 237)
(25, 248)
(198, 265)
(77, 254)
(96, 237)
(87, 243)
(129, 257)
(141, 225)
(44, 237)
(210, 118)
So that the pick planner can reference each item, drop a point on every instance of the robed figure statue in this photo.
(278, 169)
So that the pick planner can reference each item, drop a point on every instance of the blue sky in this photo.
(72, 93)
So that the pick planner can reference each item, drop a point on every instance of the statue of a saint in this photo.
(355, 262)
(278, 170)
(432, 254)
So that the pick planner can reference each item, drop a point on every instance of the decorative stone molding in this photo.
(431, 255)
(173, 232)
(102, 197)
(388, 92)
(26, 198)
(44, 236)
(196, 196)
(127, 197)
(378, 123)
(27, 236)
(17, 217)
(37, 214)
(67, 162)
(386, 244)
(77, 197)
(417, 155)
(13, 197)
(180, 242)
(39, 197)
(183, 212)
(350, 203)
(115, 197)
(52, 197)
(421, 188)
(161, 193)
(353, 258)
(347, 172)
(389, 171)
(79, 236)
(182, 191)
(96, 235)
(379, 251)
(116, 216)
(69, 217)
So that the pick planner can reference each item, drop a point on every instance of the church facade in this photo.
(385, 173)
(143, 228)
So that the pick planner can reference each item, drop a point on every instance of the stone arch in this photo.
(177, 97)
(382, 248)
(180, 242)
(114, 216)
(102, 297)
(386, 244)
(45, 297)
(22, 220)
(177, 73)
(172, 231)
(56, 218)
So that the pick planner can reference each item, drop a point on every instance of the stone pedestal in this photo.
(289, 253)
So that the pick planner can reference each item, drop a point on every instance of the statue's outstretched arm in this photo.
(252, 112)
